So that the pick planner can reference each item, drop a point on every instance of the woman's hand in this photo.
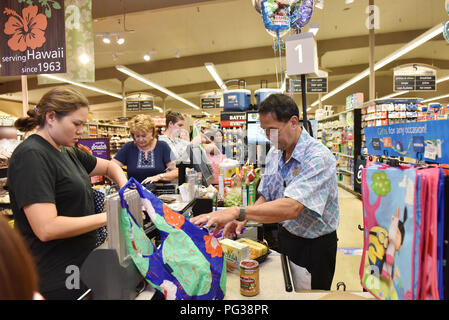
(152, 179)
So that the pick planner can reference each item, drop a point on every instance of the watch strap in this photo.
(242, 215)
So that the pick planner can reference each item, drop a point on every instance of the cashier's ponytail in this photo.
(60, 100)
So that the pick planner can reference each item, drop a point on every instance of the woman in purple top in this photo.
(147, 159)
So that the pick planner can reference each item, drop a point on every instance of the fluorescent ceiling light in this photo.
(206, 113)
(349, 1)
(210, 67)
(442, 79)
(426, 36)
(436, 98)
(158, 109)
(137, 76)
(394, 95)
(82, 85)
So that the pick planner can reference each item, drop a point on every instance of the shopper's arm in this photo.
(267, 212)
(234, 228)
(110, 169)
(47, 225)
(170, 175)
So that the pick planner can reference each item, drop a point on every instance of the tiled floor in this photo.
(350, 242)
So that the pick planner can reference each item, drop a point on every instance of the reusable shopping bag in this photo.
(387, 265)
(428, 282)
(189, 263)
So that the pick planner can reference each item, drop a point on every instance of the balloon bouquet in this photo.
(282, 16)
(446, 25)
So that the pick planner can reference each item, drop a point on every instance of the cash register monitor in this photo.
(196, 158)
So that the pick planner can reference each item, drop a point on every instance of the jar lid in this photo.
(249, 264)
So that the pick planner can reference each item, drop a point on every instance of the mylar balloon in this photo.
(301, 14)
(276, 15)
(446, 31)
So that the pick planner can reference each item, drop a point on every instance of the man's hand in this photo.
(233, 229)
(219, 218)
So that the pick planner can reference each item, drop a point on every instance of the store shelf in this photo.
(336, 116)
(343, 155)
(345, 171)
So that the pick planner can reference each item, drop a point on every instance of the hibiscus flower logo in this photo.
(28, 30)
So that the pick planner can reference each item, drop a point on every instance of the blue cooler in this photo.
(262, 94)
(237, 100)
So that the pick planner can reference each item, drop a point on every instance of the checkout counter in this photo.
(111, 274)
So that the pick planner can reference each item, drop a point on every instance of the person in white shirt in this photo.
(173, 134)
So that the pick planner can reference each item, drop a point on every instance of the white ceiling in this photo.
(231, 34)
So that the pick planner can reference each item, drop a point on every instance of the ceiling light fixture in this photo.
(106, 40)
(137, 76)
(436, 98)
(120, 40)
(82, 85)
(210, 67)
(426, 36)
(84, 58)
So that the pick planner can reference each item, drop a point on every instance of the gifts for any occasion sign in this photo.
(32, 37)
(425, 140)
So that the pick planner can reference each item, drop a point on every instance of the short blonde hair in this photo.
(142, 122)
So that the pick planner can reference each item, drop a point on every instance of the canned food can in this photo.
(249, 278)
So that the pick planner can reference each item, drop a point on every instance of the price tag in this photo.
(430, 153)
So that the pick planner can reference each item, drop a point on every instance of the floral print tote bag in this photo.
(189, 263)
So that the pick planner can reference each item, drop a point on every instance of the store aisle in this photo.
(350, 242)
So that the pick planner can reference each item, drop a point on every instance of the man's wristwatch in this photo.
(242, 214)
(161, 176)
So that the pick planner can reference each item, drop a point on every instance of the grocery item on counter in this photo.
(256, 249)
(249, 278)
(234, 253)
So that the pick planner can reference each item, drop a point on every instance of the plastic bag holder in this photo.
(109, 270)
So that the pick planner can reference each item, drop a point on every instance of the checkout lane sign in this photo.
(32, 37)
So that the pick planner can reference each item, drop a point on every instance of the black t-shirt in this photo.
(39, 173)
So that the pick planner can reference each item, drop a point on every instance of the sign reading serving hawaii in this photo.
(32, 37)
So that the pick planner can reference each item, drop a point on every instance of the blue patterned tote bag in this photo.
(189, 264)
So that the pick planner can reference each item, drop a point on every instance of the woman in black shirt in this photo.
(50, 191)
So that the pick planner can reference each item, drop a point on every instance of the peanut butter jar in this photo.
(249, 278)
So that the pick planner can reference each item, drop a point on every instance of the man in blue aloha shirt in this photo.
(298, 190)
